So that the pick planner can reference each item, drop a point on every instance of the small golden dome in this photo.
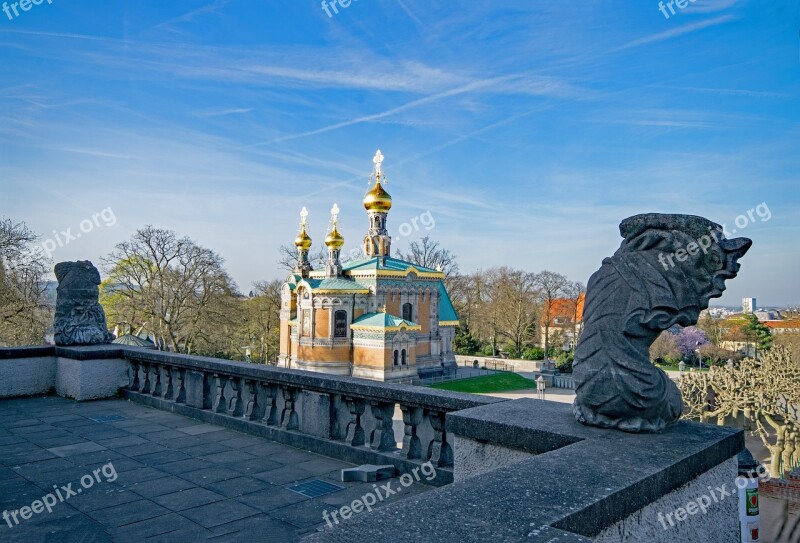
(377, 199)
(334, 239)
(303, 241)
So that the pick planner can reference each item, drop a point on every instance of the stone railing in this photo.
(495, 459)
(350, 419)
(563, 381)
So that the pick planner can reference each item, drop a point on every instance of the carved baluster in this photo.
(236, 407)
(135, 384)
(146, 385)
(336, 431)
(254, 410)
(208, 382)
(289, 417)
(271, 406)
(355, 432)
(382, 436)
(412, 418)
(440, 453)
(181, 389)
(157, 391)
(170, 393)
(220, 404)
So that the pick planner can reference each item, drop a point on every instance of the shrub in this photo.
(533, 353)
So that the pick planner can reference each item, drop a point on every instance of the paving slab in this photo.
(177, 479)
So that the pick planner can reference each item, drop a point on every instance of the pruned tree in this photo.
(790, 341)
(24, 316)
(762, 396)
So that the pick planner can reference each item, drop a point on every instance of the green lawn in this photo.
(496, 382)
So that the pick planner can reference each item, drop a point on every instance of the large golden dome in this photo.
(377, 199)
(303, 241)
(334, 239)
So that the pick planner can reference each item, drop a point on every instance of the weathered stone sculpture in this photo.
(79, 318)
(664, 273)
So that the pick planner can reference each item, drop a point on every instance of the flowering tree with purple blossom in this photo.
(690, 339)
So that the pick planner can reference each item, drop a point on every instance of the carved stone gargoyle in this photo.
(79, 318)
(664, 273)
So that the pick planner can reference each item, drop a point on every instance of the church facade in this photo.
(378, 317)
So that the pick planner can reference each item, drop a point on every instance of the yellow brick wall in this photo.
(322, 317)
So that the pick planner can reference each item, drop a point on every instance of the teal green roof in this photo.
(382, 320)
(335, 283)
(446, 310)
(384, 263)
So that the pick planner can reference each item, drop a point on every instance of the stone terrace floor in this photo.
(177, 479)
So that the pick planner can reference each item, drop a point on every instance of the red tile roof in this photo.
(565, 307)
(788, 323)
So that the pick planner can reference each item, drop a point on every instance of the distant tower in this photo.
(749, 305)
(334, 242)
(303, 244)
(377, 202)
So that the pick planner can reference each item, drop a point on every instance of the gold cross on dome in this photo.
(378, 160)
(303, 217)
(335, 213)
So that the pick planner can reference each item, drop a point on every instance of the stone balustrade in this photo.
(513, 469)
(343, 417)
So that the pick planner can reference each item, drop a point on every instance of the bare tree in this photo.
(23, 313)
(428, 253)
(665, 347)
(552, 286)
(575, 293)
(288, 254)
(264, 317)
(180, 289)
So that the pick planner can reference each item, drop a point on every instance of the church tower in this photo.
(377, 202)
(303, 244)
(334, 241)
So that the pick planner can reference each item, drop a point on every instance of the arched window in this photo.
(408, 313)
(403, 358)
(340, 324)
(395, 357)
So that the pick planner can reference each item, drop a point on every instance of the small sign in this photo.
(752, 502)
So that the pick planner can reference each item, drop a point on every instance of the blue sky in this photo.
(528, 129)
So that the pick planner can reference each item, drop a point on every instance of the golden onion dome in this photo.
(377, 199)
(334, 239)
(303, 241)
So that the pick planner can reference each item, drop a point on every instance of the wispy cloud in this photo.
(222, 112)
(674, 32)
(171, 24)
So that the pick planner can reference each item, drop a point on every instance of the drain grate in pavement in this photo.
(106, 418)
(315, 488)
